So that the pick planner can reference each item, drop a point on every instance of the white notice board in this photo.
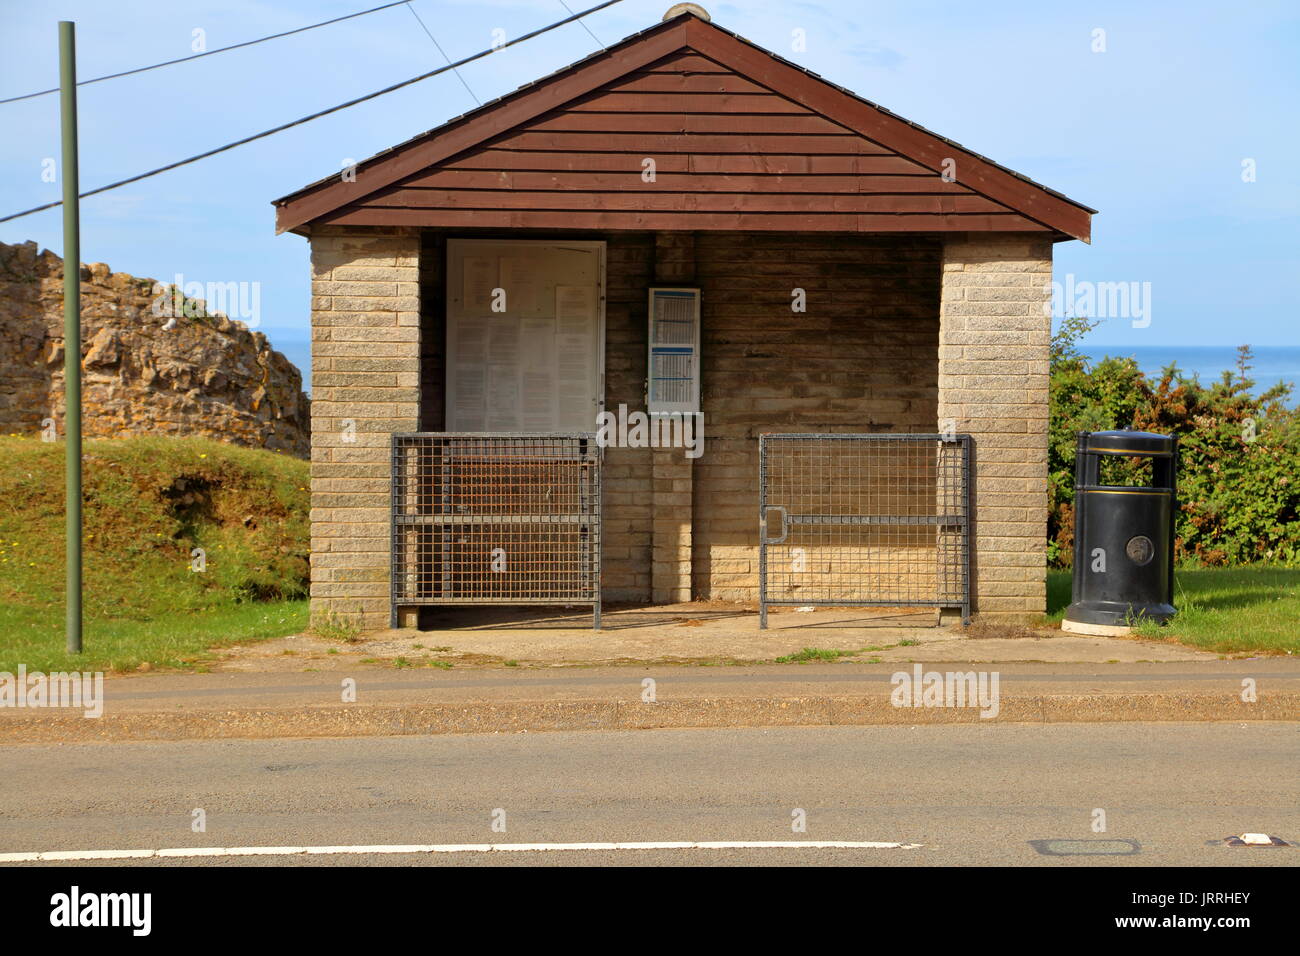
(525, 335)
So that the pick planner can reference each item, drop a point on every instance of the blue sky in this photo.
(1152, 132)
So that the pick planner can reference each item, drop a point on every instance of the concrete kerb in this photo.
(575, 715)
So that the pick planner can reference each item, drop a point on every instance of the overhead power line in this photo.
(585, 27)
(184, 59)
(318, 115)
(444, 54)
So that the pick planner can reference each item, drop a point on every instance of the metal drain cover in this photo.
(1086, 847)
(1255, 840)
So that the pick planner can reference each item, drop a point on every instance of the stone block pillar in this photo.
(671, 549)
(365, 317)
(994, 335)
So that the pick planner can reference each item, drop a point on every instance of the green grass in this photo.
(814, 654)
(171, 640)
(1250, 610)
(334, 627)
(149, 502)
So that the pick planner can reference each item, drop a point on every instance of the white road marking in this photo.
(210, 851)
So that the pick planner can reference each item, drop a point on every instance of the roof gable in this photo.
(739, 138)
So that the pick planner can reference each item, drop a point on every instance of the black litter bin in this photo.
(1123, 533)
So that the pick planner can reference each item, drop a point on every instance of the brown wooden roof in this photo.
(741, 140)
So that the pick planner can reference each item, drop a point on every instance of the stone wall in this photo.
(861, 358)
(206, 376)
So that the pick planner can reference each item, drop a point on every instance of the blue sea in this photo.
(1270, 364)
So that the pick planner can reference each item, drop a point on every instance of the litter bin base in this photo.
(1114, 614)
(1096, 630)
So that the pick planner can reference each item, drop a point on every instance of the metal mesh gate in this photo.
(864, 520)
(487, 518)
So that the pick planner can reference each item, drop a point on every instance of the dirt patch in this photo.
(989, 630)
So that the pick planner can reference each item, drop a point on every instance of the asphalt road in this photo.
(970, 794)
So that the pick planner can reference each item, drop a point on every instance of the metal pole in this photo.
(71, 324)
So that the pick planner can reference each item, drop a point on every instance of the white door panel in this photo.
(525, 335)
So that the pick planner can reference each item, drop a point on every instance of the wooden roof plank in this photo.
(725, 122)
(686, 83)
(656, 143)
(630, 180)
(702, 221)
(665, 200)
(496, 160)
(687, 62)
(688, 103)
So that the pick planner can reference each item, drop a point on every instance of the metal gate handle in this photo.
(785, 530)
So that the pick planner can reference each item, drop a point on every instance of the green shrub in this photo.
(1239, 455)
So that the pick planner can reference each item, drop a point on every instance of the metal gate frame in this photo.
(431, 507)
(951, 522)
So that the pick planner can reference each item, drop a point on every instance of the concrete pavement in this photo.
(968, 794)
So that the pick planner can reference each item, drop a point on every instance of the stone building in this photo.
(851, 273)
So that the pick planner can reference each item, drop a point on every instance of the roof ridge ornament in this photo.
(677, 9)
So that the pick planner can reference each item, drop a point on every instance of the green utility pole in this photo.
(71, 322)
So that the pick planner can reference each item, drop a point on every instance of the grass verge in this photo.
(168, 641)
(1234, 611)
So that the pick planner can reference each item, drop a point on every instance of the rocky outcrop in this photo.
(143, 372)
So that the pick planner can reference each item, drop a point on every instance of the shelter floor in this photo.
(696, 632)
(713, 617)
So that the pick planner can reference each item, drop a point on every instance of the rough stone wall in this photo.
(207, 376)
(993, 370)
(365, 319)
